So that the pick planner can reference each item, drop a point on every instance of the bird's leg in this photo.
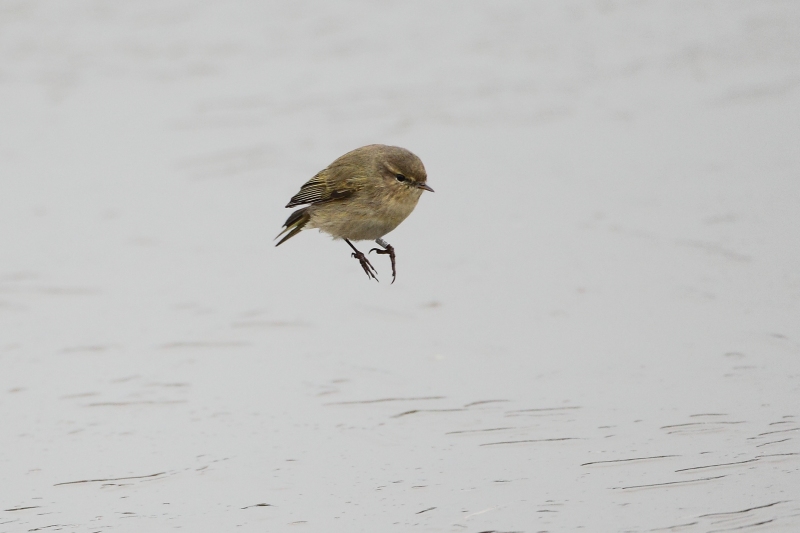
(365, 264)
(390, 251)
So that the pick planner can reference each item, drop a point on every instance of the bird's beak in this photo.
(424, 186)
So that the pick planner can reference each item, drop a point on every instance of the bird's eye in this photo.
(400, 177)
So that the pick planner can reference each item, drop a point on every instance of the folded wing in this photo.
(322, 188)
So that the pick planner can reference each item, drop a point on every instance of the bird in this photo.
(362, 195)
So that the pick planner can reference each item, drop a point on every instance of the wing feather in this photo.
(321, 188)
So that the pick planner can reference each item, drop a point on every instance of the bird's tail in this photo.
(294, 224)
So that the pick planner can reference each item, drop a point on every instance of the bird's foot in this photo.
(390, 252)
(365, 264)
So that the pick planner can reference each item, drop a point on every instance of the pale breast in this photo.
(359, 221)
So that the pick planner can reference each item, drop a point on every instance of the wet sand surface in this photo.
(596, 319)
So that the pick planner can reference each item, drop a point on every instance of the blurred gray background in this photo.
(595, 320)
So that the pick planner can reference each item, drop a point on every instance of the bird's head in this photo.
(403, 170)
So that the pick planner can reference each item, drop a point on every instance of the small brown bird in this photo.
(363, 195)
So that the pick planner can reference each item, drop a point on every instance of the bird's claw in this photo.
(390, 252)
(366, 265)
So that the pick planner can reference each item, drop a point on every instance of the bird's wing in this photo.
(323, 187)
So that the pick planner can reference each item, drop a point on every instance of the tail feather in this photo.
(294, 224)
